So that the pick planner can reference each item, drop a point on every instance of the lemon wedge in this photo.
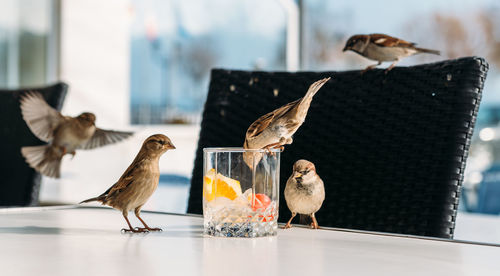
(223, 187)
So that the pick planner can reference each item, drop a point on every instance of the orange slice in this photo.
(224, 186)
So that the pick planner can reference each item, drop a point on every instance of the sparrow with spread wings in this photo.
(64, 134)
(381, 47)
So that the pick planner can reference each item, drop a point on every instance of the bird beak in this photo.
(170, 146)
(345, 49)
(298, 175)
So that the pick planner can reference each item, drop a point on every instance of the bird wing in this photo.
(125, 180)
(40, 117)
(119, 186)
(103, 137)
(389, 41)
(264, 121)
(133, 174)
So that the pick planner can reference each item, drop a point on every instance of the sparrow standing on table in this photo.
(276, 128)
(63, 133)
(138, 182)
(381, 47)
(304, 192)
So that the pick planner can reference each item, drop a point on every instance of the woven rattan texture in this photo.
(391, 149)
(20, 184)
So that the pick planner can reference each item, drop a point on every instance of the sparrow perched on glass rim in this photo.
(381, 47)
(304, 192)
(138, 182)
(275, 129)
(64, 134)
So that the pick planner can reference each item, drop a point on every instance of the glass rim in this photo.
(238, 149)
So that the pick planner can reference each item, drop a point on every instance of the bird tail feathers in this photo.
(429, 51)
(44, 159)
(314, 88)
(90, 200)
(305, 219)
(101, 198)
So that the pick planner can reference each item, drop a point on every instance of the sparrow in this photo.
(138, 182)
(304, 192)
(275, 129)
(64, 134)
(381, 47)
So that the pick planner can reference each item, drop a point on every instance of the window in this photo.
(28, 38)
(175, 44)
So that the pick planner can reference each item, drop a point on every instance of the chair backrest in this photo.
(19, 183)
(390, 148)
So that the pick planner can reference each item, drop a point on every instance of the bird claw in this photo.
(269, 148)
(288, 225)
(156, 229)
(369, 68)
(147, 229)
(314, 225)
(135, 230)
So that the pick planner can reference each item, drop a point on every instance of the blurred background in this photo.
(145, 66)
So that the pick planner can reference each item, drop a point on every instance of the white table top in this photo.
(88, 241)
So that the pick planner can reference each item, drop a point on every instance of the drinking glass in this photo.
(240, 192)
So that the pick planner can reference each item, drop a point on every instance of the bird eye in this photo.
(161, 142)
(304, 172)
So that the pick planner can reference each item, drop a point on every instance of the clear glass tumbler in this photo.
(238, 200)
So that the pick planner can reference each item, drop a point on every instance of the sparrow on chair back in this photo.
(381, 47)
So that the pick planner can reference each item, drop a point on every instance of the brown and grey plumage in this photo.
(138, 182)
(275, 129)
(64, 134)
(381, 47)
(304, 192)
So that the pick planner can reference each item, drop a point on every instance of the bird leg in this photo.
(314, 223)
(288, 224)
(64, 150)
(370, 67)
(392, 66)
(130, 228)
(271, 146)
(146, 227)
(276, 145)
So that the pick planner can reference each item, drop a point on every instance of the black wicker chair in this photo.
(391, 149)
(19, 183)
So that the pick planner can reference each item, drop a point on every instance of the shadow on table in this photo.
(180, 231)
(30, 230)
(173, 231)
